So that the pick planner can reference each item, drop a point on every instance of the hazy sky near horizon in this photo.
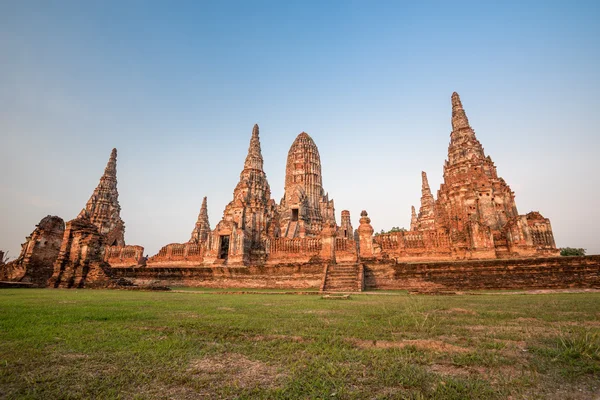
(176, 86)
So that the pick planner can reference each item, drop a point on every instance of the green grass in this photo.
(132, 344)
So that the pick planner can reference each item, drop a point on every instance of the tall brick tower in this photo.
(103, 209)
(476, 206)
(426, 218)
(304, 207)
(247, 218)
(202, 228)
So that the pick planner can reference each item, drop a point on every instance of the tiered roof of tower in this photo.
(413, 218)
(202, 228)
(251, 202)
(346, 230)
(472, 190)
(304, 199)
(103, 209)
(253, 187)
(426, 218)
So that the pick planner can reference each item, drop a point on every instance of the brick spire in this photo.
(426, 218)
(254, 159)
(425, 190)
(202, 229)
(459, 117)
(413, 218)
(464, 145)
(248, 209)
(103, 209)
(111, 166)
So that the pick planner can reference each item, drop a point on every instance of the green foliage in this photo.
(394, 229)
(571, 251)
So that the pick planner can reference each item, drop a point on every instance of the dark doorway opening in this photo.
(224, 248)
(294, 214)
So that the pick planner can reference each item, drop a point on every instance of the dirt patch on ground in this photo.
(523, 332)
(236, 370)
(451, 370)
(528, 319)
(580, 323)
(491, 374)
(153, 328)
(459, 311)
(74, 356)
(225, 308)
(297, 339)
(318, 312)
(421, 344)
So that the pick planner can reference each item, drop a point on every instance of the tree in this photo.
(394, 229)
(571, 251)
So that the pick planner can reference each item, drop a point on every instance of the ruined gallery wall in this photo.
(294, 276)
(540, 273)
(551, 273)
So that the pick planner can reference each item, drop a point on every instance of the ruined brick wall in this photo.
(428, 245)
(530, 273)
(80, 262)
(178, 255)
(289, 276)
(345, 250)
(298, 250)
(124, 256)
(35, 263)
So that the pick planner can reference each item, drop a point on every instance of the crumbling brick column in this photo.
(365, 236)
(328, 235)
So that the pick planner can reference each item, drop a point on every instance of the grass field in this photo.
(133, 344)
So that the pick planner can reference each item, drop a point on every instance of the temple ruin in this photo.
(473, 221)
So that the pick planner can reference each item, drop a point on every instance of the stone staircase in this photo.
(346, 277)
(291, 230)
(501, 247)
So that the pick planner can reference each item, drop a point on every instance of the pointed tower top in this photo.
(424, 181)
(459, 117)
(103, 209)
(254, 159)
(413, 218)
(456, 101)
(111, 166)
(202, 228)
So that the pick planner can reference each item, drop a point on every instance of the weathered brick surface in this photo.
(125, 256)
(248, 218)
(80, 260)
(528, 273)
(539, 273)
(35, 263)
(284, 276)
(474, 216)
(305, 207)
(103, 209)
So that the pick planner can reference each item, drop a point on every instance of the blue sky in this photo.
(177, 87)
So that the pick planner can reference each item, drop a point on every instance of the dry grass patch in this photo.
(421, 344)
(459, 311)
(237, 370)
(291, 338)
(450, 370)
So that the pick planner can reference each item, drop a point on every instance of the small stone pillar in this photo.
(365, 236)
(328, 235)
